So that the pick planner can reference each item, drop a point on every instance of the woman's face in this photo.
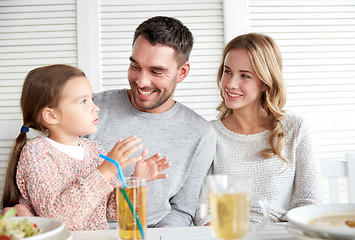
(241, 87)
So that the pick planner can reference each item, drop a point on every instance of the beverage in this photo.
(127, 224)
(229, 204)
(230, 214)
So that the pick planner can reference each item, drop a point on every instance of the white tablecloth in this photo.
(271, 232)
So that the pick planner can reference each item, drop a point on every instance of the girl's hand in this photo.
(22, 210)
(120, 153)
(150, 168)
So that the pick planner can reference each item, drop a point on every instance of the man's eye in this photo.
(134, 67)
(157, 73)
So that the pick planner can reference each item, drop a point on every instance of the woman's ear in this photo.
(49, 116)
(264, 87)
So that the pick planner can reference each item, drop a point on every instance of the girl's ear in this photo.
(49, 116)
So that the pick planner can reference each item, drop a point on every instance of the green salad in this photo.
(16, 228)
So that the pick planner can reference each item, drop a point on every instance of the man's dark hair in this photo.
(167, 31)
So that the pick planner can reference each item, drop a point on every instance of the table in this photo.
(271, 232)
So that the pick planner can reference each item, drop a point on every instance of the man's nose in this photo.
(143, 79)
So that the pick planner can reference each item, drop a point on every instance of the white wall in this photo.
(316, 38)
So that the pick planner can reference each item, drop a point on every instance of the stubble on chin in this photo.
(150, 106)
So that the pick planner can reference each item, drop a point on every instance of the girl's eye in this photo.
(83, 102)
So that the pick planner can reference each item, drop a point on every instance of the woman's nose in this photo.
(233, 82)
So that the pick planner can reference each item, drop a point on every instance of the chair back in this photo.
(335, 169)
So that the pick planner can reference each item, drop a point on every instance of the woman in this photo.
(256, 137)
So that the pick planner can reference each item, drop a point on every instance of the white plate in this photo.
(298, 233)
(48, 226)
(63, 235)
(300, 217)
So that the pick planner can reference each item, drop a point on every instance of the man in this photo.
(159, 61)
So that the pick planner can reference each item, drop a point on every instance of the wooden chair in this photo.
(334, 169)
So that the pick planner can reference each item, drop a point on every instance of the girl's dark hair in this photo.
(41, 88)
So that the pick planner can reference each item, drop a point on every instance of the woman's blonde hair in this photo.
(266, 60)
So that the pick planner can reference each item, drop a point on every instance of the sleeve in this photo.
(184, 203)
(50, 193)
(202, 215)
(307, 184)
(112, 201)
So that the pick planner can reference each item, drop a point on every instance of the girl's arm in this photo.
(111, 212)
(54, 190)
(120, 152)
(51, 194)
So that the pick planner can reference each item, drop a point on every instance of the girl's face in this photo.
(241, 88)
(76, 112)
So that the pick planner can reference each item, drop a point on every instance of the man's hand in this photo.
(150, 168)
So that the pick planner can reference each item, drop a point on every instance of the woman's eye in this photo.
(227, 71)
(83, 102)
(245, 76)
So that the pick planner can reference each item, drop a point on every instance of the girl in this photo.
(255, 136)
(61, 175)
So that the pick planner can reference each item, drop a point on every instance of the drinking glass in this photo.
(136, 191)
(229, 202)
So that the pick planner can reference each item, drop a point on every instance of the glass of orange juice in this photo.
(229, 202)
(136, 191)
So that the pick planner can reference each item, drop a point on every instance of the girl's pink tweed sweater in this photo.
(54, 185)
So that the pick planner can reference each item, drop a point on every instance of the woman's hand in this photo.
(150, 168)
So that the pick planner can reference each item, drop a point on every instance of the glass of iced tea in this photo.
(132, 216)
(229, 202)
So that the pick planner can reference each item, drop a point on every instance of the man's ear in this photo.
(183, 71)
(49, 116)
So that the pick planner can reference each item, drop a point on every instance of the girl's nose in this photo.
(96, 108)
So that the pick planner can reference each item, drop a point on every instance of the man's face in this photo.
(153, 75)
